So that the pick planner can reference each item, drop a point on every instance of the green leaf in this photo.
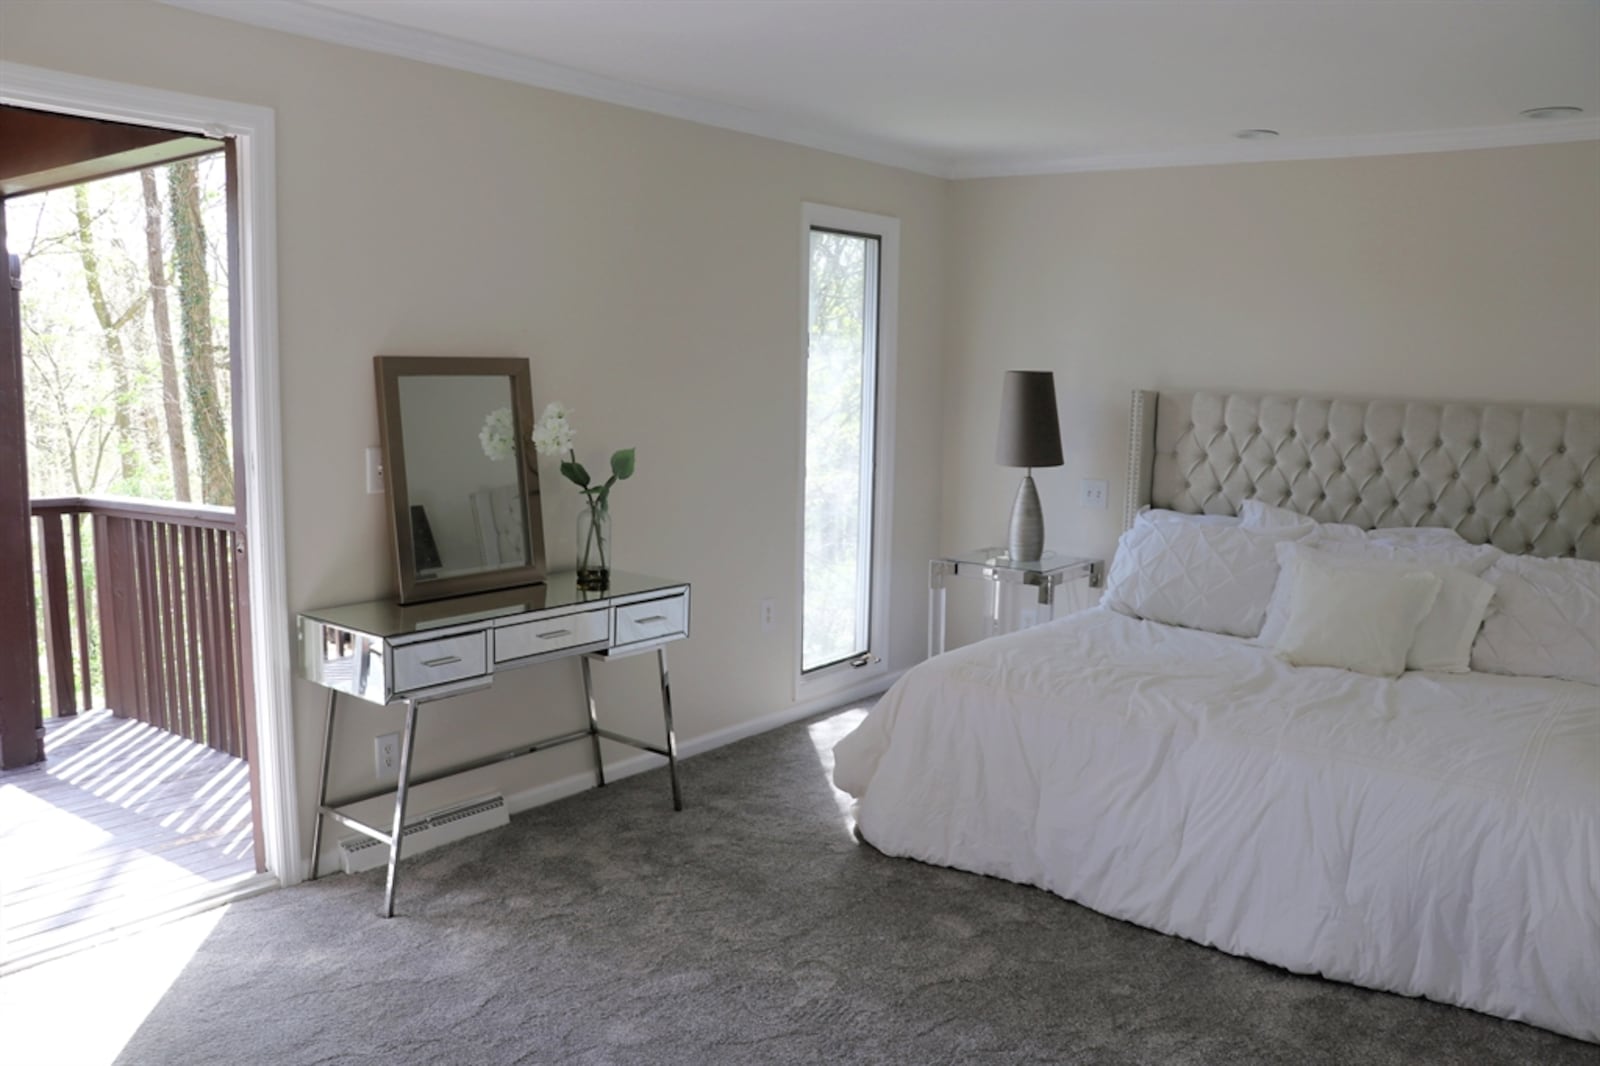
(574, 472)
(603, 495)
(622, 464)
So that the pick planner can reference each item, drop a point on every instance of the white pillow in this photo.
(1435, 546)
(1253, 514)
(1353, 617)
(1442, 641)
(1157, 514)
(1196, 573)
(1418, 548)
(1545, 621)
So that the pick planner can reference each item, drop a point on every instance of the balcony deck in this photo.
(121, 823)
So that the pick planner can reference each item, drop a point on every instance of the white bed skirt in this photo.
(1435, 836)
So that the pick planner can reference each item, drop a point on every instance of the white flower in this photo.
(498, 435)
(553, 434)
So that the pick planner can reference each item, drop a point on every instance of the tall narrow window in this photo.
(840, 620)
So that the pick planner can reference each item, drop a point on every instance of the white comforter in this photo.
(1438, 835)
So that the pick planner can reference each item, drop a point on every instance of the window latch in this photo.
(866, 660)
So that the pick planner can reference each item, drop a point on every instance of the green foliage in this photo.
(73, 395)
(621, 466)
(834, 492)
(574, 472)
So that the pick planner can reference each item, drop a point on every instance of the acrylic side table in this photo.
(1046, 574)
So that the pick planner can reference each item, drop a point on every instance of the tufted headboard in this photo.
(1526, 479)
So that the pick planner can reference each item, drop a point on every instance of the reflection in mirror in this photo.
(463, 482)
(467, 513)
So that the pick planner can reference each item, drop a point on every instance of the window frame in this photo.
(844, 675)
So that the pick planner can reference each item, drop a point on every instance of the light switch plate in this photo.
(1095, 493)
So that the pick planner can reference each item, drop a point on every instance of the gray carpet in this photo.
(750, 928)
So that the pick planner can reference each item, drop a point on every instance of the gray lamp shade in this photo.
(1030, 433)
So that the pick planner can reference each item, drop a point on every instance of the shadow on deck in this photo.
(121, 823)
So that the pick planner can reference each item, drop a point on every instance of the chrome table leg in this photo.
(322, 782)
(666, 715)
(594, 723)
(407, 744)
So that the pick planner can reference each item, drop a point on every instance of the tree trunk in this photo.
(199, 352)
(171, 401)
(110, 340)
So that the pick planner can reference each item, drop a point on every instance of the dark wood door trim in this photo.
(21, 714)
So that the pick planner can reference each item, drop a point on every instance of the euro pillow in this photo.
(1253, 514)
(1443, 638)
(1360, 618)
(1158, 514)
(1198, 574)
(1545, 621)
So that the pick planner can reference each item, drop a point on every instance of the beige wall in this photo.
(1467, 275)
(649, 268)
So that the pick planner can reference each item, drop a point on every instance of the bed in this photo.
(1434, 834)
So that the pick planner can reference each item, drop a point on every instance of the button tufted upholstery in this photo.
(1525, 479)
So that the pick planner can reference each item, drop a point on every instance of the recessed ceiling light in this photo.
(1552, 112)
(1256, 135)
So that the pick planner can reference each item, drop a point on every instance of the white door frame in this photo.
(260, 427)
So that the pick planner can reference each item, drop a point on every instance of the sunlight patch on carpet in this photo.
(824, 735)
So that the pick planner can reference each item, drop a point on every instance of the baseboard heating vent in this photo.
(360, 853)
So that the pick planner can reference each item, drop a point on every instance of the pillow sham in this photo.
(1545, 621)
(1360, 618)
(1253, 514)
(1417, 547)
(1442, 641)
(1158, 514)
(1196, 573)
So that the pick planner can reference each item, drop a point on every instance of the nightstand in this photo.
(992, 564)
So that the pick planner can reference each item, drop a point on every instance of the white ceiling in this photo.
(967, 88)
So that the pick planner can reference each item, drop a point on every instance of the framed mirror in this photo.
(462, 476)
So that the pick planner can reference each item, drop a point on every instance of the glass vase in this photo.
(594, 548)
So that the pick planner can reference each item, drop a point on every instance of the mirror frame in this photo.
(390, 369)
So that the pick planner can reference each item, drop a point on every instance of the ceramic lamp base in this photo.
(1025, 541)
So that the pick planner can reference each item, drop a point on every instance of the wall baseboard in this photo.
(517, 802)
(572, 784)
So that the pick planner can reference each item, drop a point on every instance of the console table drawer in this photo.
(552, 634)
(652, 620)
(434, 662)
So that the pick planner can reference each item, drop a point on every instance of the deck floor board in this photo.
(121, 820)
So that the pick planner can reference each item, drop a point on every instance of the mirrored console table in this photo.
(386, 653)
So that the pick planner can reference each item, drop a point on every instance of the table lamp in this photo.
(1030, 436)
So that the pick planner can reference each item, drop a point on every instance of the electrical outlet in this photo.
(375, 471)
(1095, 493)
(386, 756)
(769, 615)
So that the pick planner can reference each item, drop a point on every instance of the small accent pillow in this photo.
(1353, 617)
(1545, 621)
(1443, 639)
(1196, 573)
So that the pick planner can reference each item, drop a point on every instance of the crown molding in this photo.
(1527, 132)
(372, 35)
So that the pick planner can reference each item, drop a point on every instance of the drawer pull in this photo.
(554, 633)
(652, 618)
(445, 661)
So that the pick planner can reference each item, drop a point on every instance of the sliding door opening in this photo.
(849, 309)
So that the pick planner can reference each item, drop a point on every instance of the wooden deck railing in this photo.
(157, 609)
